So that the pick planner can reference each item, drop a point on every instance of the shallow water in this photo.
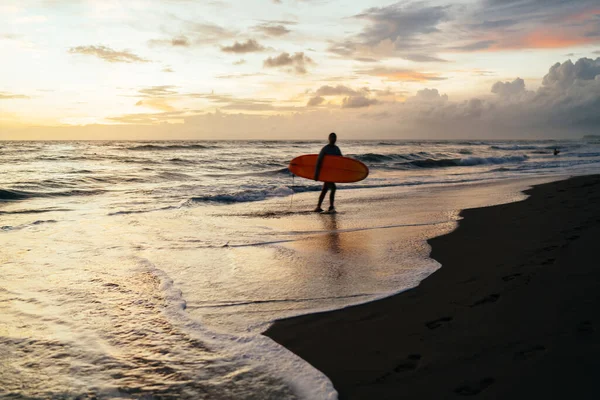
(118, 282)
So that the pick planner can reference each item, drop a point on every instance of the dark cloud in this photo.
(566, 74)
(493, 25)
(272, 29)
(400, 21)
(476, 46)
(249, 46)
(567, 103)
(108, 54)
(398, 30)
(298, 61)
(11, 96)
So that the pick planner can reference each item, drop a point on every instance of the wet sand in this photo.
(512, 314)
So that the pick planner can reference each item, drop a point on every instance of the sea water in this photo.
(149, 269)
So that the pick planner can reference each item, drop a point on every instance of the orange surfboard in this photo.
(333, 169)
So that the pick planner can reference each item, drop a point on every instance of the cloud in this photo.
(239, 62)
(358, 102)
(422, 58)
(272, 29)
(508, 89)
(12, 96)
(249, 46)
(428, 96)
(397, 30)
(366, 59)
(399, 74)
(566, 104)
(162, 91)
(315, 101)
(400, 22)
(298, 62)
(180, 41)
(108, 54)
(167, 69)
(156, 103)
(193, 34)
(339, 90)
(476, 46)
(565, 75)
(353, 98)
(418, 31)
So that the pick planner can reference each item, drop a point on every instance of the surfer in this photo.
(556, 151)
(333, 150)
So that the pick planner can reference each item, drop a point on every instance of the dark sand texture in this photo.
(514, 312)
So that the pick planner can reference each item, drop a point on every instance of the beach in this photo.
(134, 269)
(511, 313)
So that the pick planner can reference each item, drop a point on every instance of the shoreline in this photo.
(523, 327)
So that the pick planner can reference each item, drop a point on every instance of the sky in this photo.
(299, 69)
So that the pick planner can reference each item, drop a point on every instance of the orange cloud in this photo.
(404, 75)
(542, 39)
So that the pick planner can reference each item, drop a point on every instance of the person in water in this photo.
(556, 151)
(332, 150)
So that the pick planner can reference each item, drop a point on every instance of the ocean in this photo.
(149, 269)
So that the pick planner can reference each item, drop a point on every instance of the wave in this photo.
(8, 195)
(517, 147)
(152, 147)
(242, 196)
(13, 195)
(178, 160)
(461, 162)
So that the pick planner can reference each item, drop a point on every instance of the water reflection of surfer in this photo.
(330, 149)
(556, 152)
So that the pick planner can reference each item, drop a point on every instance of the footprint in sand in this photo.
(510, 277)
(438, 322)
(492, 298)
(529, 352)
(410, 364)
(473, 388)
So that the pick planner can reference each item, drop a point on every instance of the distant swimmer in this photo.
(556, 152)
(330, 149)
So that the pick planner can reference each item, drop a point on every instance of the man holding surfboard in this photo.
(329, 149)
(329, 167)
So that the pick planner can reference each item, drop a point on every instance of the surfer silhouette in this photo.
(556, 151)
(330, 149)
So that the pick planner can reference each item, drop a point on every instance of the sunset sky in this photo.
(281, 69)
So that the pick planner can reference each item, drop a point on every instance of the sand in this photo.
(514, 312)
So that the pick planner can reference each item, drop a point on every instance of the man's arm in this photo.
(319, 163)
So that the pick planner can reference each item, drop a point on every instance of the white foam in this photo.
(257, 350)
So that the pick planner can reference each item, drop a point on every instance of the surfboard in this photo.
(336, 169)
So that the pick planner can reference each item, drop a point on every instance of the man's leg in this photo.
(322, 197)
(332, 195)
